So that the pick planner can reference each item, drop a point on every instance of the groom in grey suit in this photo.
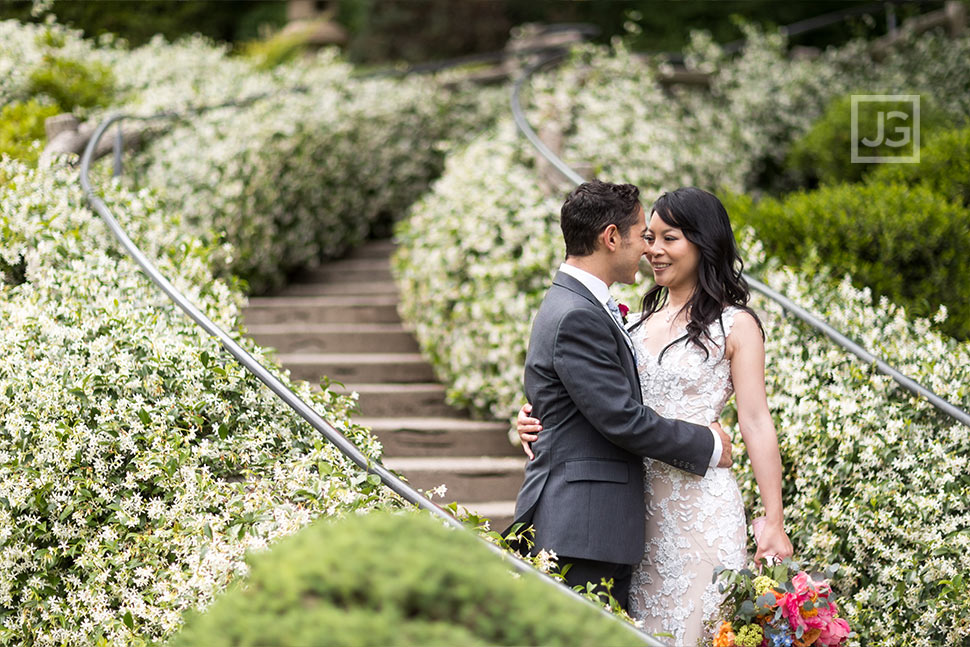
(583, 491)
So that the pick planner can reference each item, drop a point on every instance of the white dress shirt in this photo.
(601, 291)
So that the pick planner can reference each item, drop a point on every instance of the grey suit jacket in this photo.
(584, 490)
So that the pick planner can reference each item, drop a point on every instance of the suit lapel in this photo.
(572, 284)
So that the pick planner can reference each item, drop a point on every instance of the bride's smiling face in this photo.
(674, 259)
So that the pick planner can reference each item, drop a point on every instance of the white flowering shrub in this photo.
(138, 462)
(299, 177)
(290, 179)
(23, 48)
(475, 257)
(877, 477)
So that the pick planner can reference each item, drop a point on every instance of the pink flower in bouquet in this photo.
(793, 605)
(834, 633)
(804, 586)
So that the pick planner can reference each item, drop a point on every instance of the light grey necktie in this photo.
(615, 311)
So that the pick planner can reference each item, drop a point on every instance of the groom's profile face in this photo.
(631, 249)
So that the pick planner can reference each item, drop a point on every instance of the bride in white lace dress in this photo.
(697, 343)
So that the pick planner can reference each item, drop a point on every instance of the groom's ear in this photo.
(610, 237)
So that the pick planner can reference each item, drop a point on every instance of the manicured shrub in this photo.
(70, 83)
(906, 243)
(944, 167)
(138, 462)
(824, 154)
(22, 129)
(392, 579)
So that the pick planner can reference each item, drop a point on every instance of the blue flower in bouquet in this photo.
(780, 639)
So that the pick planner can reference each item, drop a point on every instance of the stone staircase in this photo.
(341, 321)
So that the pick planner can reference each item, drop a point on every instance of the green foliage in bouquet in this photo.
(22, 129)
(944, 167)
(71, 83)
(904, 242)
(392, 579)
(138, 462)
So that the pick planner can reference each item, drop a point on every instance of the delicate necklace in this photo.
(670, 313)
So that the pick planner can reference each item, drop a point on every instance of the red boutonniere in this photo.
(623, 311)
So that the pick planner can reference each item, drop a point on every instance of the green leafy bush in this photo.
(824, 154)
(70, 83)
(22, 129)
(906, 243)
(279, 48)
(944, 167)
(401, 579)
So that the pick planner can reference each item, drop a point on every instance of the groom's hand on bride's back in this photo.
(528, 429)
(726, 448)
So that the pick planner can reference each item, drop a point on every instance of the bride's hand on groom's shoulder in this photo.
(773, 542)
(528, 429)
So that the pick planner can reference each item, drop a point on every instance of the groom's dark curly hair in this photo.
(592, 207)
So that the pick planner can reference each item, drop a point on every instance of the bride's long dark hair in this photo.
(705, 223)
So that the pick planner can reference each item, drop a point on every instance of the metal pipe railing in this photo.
(801, 313)
(305, 410)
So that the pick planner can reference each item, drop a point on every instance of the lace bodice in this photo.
(687, 385)
(693, 523)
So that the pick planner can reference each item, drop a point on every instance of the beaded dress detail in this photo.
(694, 523)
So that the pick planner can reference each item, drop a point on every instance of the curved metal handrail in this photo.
(305, 410)
(801, 313)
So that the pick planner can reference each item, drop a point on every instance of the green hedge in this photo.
(824, 153)
(904, 242)
(383, 579)
(944, 167)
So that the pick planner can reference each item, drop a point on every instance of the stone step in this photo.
(468, 479)
(303, 337)
(441, 437)
(369, 288)
(373, 249)
(322, 309)
(354, 270)
(358, 367)
(401, 400)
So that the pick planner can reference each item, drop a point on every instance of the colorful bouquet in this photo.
(782, 607)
